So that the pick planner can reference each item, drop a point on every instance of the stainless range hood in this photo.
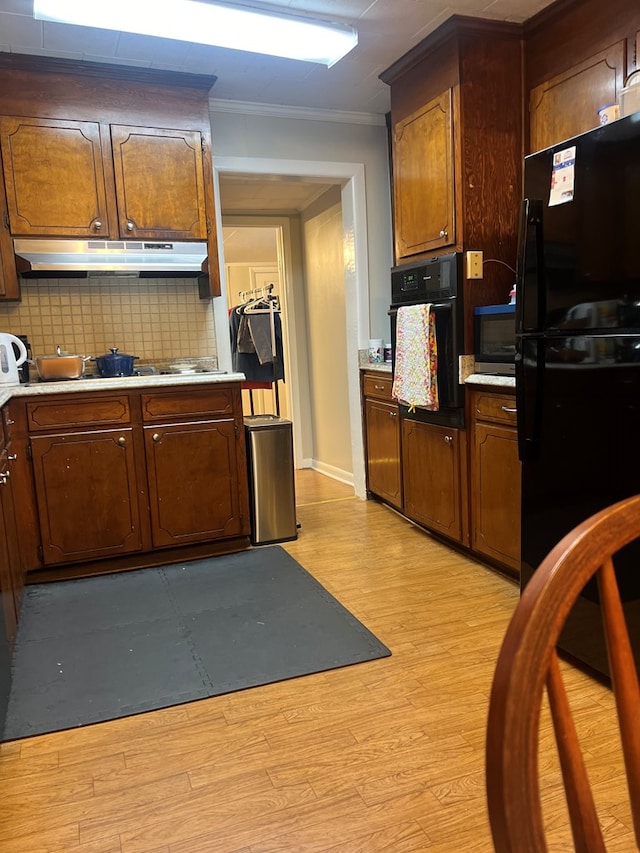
(109, 257)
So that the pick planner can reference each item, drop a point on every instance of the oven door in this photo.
(449, 342)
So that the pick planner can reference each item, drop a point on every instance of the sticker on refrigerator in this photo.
(563, 176)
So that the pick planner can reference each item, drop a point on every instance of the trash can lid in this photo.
(252, 421)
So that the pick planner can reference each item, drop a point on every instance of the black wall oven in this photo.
(437, 281)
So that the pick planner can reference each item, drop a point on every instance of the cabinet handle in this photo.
(444, 233)
(509, 410)
(393, 414)
(4, 476)
(156, 436)
(97, 224)
(12, 457)
(130, 226)
(448, 439)
(9, 422)
(379, 387)
(122, 441)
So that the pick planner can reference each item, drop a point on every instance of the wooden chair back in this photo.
(528, 663)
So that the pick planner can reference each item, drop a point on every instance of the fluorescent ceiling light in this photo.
(235, 27)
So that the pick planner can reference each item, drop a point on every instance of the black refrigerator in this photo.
(578, 356)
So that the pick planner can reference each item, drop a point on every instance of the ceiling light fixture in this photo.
(235, 27)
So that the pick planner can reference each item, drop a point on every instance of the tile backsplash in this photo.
(154, 319)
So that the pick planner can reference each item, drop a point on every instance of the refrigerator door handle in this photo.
(530, 280)
(530, 359)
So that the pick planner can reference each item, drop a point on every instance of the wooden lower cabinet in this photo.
(193, 474)
(433, 488)
(86, 488)
(9, 592)
(111, 477)
(495, 478)
(382, 438)
(383, 451)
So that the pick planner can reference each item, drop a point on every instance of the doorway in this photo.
(350, 177)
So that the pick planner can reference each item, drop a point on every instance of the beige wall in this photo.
(327, 335)
(151, 318)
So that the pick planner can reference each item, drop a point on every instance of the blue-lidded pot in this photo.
(115, 364)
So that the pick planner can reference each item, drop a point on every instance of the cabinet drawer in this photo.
(78, 411)
(497, 408)
(196, 402)
(378, 386)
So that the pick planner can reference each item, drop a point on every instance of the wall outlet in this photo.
(474, 264)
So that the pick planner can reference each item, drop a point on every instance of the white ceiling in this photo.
(387, 30)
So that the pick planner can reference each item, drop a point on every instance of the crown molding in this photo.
(218, 105)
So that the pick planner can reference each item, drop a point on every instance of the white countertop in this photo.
(116, 383)
(383, 367)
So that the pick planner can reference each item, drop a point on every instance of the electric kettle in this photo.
(8, 362)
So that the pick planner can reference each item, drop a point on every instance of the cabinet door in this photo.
(568, 104)
(383, 451)
(495, 494)
(431, 477)
(193, 472)
(86, 490)
(159, 183)
(8, 593)
(54, 177)
(423, 168)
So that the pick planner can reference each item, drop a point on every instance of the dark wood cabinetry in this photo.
(59, 194)
(118, 480)
(195, 463)
(424, 167)
(112, 182)
(86, 489)
(11, 574)
(456, 133)
(568, 103)
(382, 437)
(93, 151)
(578, 56)
(495, 478)
(432, 464)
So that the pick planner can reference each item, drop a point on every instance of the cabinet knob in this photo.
(156, 436)
(448, 439)
(130, 226)
(97, 224)
(444, 233)
(122, 441)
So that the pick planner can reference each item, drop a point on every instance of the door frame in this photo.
(351, 177)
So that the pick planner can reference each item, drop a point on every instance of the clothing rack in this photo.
(261, 300)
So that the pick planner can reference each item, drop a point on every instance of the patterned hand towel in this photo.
(415, 381)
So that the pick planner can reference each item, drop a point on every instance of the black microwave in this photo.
(495, 339)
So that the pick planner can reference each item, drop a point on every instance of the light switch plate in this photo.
(474, 264)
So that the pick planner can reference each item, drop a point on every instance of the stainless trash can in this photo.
(272, 498)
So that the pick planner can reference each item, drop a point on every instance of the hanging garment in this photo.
(415, 380)
(248, 362)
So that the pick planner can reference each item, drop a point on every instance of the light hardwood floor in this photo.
(381, 756)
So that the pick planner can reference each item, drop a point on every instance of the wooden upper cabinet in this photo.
(54, 177)
(568, 103)
(159, 183)
(423, 166)
(58, 185)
